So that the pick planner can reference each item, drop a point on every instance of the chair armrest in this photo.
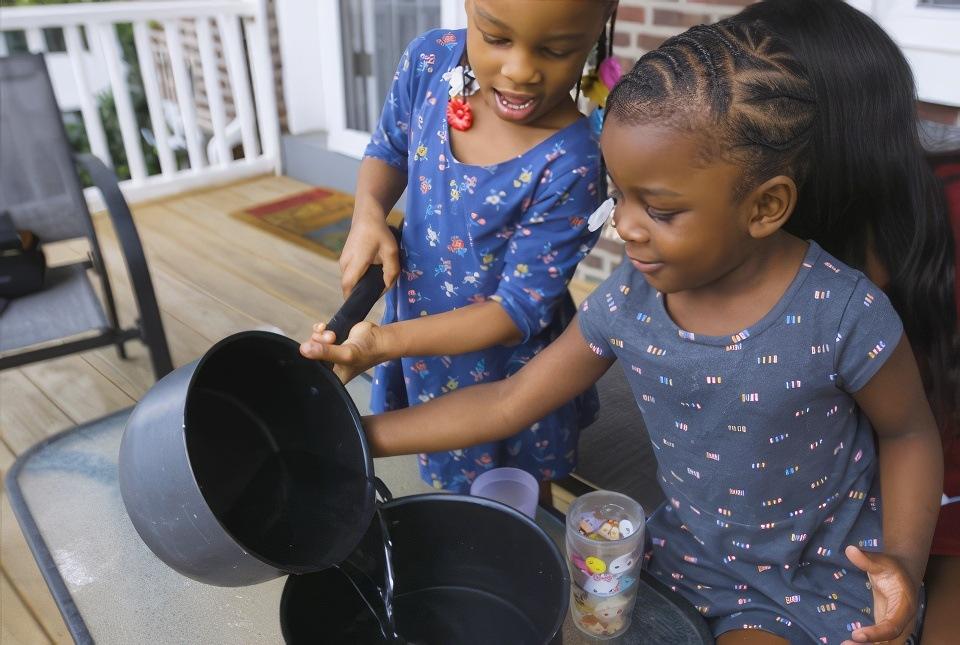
(105, 180)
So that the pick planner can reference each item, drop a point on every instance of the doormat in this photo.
(318, 219)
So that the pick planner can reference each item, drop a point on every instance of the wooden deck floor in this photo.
(214, 276)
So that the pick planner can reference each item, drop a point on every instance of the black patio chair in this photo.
(40, 188)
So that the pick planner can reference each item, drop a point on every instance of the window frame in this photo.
(929, 37)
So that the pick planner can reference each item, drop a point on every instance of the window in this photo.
(373, 36)
(360, 56)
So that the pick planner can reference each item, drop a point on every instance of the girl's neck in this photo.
(744, 295)
(491, 140)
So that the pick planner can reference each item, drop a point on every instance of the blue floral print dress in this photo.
(512, 232)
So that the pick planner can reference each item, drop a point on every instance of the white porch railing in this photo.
(231, 33)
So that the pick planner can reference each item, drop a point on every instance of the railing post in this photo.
(237, 70)
(211, 82)
(129, 129)
(181, 82)
(36, 43)
(88, 104)
(259, 38)
(151, 88)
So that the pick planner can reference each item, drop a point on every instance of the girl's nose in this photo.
(630, 229)
(520, 69)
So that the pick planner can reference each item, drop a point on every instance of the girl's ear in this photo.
(771, 205)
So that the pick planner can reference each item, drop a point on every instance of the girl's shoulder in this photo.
(426, 60)
(838, 296)
(434, 49)
(829, 273)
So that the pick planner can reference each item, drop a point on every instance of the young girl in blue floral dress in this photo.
(794, 441)
(501, 172)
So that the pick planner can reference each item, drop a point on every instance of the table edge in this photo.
(34, 539)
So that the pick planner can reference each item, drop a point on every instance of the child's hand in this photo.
(370, 241)
(894, 596)
(358, 353)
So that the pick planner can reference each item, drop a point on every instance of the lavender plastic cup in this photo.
(511, 486)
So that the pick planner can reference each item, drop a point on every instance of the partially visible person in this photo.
(942, 623)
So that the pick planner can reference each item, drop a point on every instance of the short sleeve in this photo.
(869, 332)
(390, 140)
(546, 246)
(596, 313)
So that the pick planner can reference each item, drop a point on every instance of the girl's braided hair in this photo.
(733, 83)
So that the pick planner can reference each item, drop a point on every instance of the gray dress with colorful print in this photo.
(768, 464)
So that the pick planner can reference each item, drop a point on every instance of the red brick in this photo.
(678, 19)
(592, 261)
(621, 39)
(610, 246)
(630, 14)
(647, 42)
(627, 63)
(938, 113)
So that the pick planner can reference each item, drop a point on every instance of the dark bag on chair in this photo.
(22, 263)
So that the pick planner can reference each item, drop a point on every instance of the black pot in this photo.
(468, 570)
(247, 464)
(251, 462)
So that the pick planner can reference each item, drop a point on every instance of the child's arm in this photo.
(382, 179)
(379, 186)
(548, 242)
(911, 479)
(468, 329)
(491, 411)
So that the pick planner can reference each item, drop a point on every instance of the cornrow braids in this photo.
(734, 84)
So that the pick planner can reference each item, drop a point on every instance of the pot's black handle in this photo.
(361, 299)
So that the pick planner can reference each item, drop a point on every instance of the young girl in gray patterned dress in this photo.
(778, 389)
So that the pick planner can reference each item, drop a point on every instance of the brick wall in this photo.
(641, 26)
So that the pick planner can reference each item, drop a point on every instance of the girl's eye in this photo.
(493, 40)
(552, 53)
(661, 216)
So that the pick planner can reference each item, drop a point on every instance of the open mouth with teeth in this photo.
(513, 108)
